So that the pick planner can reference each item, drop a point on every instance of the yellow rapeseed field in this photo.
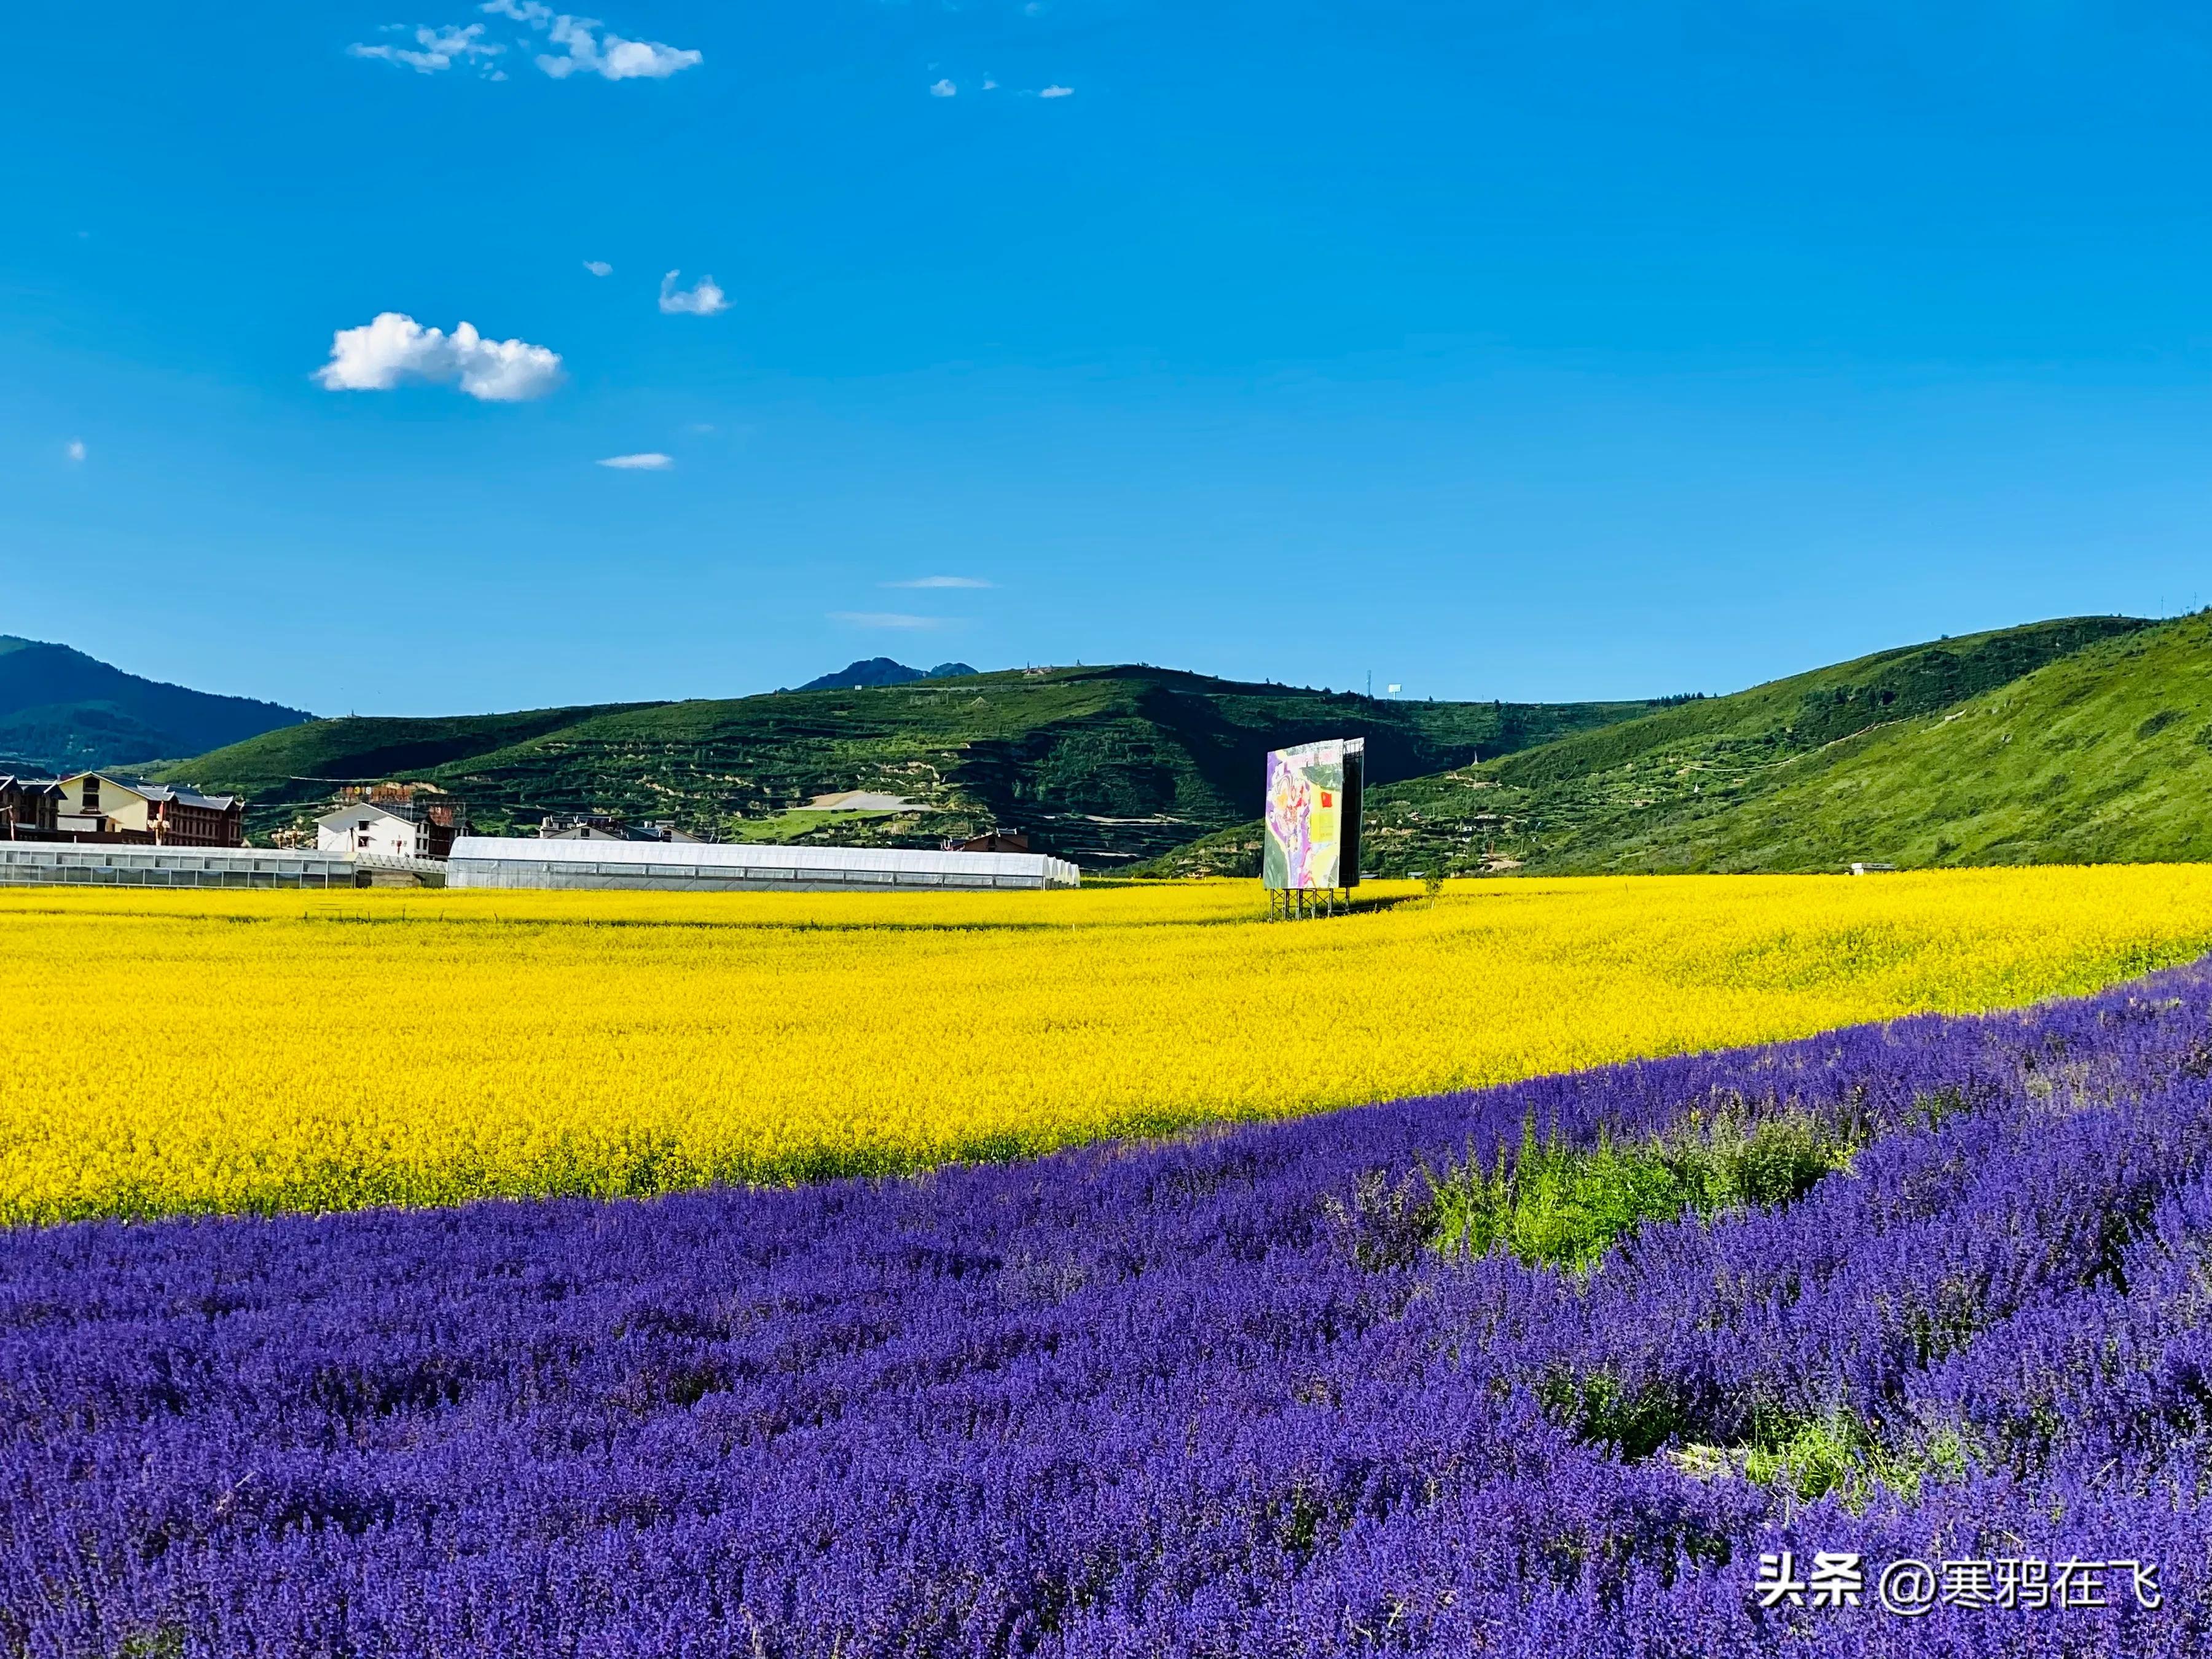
(169, 1052)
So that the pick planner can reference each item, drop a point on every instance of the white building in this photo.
(362, 828)
(501, 862)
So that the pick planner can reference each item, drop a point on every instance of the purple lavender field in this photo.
(1215, 1397)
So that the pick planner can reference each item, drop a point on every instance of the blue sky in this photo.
(1511, 349)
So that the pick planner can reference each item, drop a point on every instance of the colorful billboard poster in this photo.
(1312, 815)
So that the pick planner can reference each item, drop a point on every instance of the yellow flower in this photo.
(180, 1052)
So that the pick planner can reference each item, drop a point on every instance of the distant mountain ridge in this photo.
(2084, 738)
(882, 670)
(1101, 765)
(63, 711)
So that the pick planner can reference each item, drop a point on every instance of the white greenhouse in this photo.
(501, 861)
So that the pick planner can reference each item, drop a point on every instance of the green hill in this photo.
(1102, 765)
(63, 711)
(1734, 782)
(2103, 757)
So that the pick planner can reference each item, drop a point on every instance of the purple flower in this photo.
(1157, 1400)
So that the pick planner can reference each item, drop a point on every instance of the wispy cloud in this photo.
(608, 56)
(886, 619)
(704, 299)
(435, 49)
(599, 267)
(944, 90)
(651, 461)
(395, 349)
(1057, 92)
(939, 581)
(76, 449)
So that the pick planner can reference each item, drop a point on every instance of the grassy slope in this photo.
(2102, 756)
(1636, 795)
(299, 763)
(1102, 764)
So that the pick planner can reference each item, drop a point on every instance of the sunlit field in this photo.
(183, 1052)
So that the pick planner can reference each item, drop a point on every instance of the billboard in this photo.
(1312, 815)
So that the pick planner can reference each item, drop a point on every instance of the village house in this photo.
(992, 841)
(131, 810)
(553, 828)
(365, 827)
(28, 807)
(401, 820)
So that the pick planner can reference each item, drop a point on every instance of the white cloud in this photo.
(941, 581)
(989, 85)
(599, 267)
(886, 619)
(76, 449)
(612, 57)
(702, 299)
(652, 461)
(1057, 92)
(944, 90)
(608, 56)
(440, 49)
(395, 348)
(700, 428)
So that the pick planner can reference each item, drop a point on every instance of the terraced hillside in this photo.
(1866, 760)
(1102, 765)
